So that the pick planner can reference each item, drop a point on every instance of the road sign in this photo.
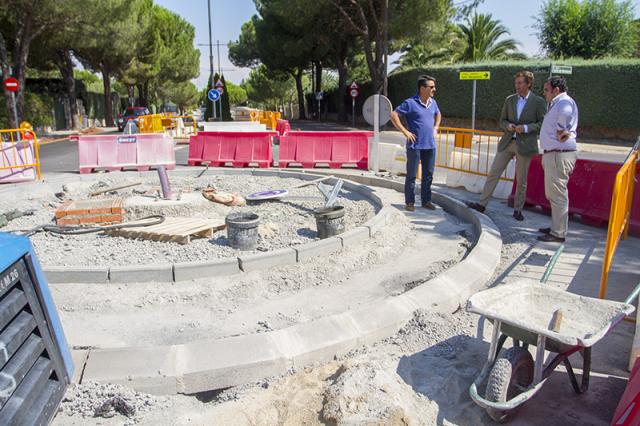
(354, 93)
(475, 75)
(11, 84)
(219, 83)
(220, 87)
(220, 90)
(319, 96)
(384, 110)
(561, 69)
(213, 95)
(354, 85)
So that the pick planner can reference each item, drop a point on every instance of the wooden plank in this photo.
(173, 229)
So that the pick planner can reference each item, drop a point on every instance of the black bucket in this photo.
(242, 230)
(329, 221)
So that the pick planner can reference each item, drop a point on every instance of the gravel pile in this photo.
(108, 400)
(283, 223)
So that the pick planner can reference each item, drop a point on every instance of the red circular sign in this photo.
(11, 84)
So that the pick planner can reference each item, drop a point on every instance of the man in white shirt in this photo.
(558, 142)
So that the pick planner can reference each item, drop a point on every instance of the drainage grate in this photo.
(32, 375)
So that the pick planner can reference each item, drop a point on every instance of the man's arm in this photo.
(397, 123)
(563, 125)
(505, 124)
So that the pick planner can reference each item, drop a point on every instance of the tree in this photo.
(224, 101)
(375, 23)
(185, 95)
(588, 29)
(22, 22)
(481, 35)
(269, 89)
(237, 94)
(244, 52)
(110, 47)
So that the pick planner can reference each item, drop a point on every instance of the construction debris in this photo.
(113, 189)
(85, 212)
(226, 198)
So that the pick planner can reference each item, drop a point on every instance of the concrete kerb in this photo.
(191, 270)
(214, 364)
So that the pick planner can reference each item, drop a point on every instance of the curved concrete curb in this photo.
(213, 364)
(182, 271)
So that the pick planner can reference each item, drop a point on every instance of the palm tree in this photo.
(481, 34)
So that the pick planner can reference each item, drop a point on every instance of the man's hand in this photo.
(511, 127)
(435, 133)
(563, 135)
(520, 128)
(410, 137)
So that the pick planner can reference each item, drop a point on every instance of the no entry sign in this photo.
(11, 84)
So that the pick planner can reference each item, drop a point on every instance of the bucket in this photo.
(242, 230)
(329, 221)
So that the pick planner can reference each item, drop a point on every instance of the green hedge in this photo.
(607, 91)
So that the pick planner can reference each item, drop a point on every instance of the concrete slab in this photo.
(254, 262)
(141, 273)
(318, 248)
(355, 236)
(64, 274)
(184, 271)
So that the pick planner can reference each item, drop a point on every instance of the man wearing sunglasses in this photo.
(423, 117)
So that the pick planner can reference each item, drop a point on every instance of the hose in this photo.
(79, 230)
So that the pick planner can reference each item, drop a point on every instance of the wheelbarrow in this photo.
(531, 313)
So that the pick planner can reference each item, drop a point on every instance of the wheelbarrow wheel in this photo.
(512, 369)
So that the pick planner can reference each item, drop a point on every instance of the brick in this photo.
(61, 211)
(111, 218)
(68, 221)
(90, 219)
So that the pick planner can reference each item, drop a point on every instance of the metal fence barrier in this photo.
(620, 214)
(19, 151)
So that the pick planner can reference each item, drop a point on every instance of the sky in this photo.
(518, 16)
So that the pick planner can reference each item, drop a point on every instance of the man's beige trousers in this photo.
(558, 166)
(500, 163)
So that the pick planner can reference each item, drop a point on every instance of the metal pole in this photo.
(218, 49)
(473, 109)
(211, 56)
(376, 133)
(385, 85)
(353, 112)
(318, 109)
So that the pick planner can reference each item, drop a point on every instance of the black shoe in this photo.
(517, 215)
(476, 206)
(550, 238)
(409, 207)
(544, 230)
(429, 206)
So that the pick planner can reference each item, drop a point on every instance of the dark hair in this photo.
(559, 82)
(422, 80)
(528, 77)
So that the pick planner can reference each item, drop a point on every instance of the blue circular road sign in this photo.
(213, 95)
(267, 195)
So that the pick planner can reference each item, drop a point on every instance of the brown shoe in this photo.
(429, 206)
(550, 238)
(476, 206)
(410, 207)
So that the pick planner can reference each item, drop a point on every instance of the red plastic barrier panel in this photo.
(628, 410)
(282, 127)
(590, 191)
(16, 155)
(241, 149)
(115, 152)
(333, 148)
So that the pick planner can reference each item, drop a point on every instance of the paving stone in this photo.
(318, 248)
(184, 271)
(141, 273)
(254, 262)
(355, 236)
(67, 274)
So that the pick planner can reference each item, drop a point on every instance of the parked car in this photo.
(131, 113)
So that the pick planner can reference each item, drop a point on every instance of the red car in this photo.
(131, 113)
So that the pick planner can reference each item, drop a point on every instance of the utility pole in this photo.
(385, 84)
(211, 56)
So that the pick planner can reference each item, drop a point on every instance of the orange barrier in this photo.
(619, 216)
(467, 151)
(19, 154)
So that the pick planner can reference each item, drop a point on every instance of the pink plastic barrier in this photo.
(16, 154)
(590, 191)
(241, 149)
(115, 152)
(333, 148)
(282, 127)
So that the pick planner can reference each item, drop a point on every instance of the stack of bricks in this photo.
(90, 212)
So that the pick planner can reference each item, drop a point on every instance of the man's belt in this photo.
(546, 151)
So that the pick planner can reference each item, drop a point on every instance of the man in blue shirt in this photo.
(423, 117)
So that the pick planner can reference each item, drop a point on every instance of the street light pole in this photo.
(211, 56)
